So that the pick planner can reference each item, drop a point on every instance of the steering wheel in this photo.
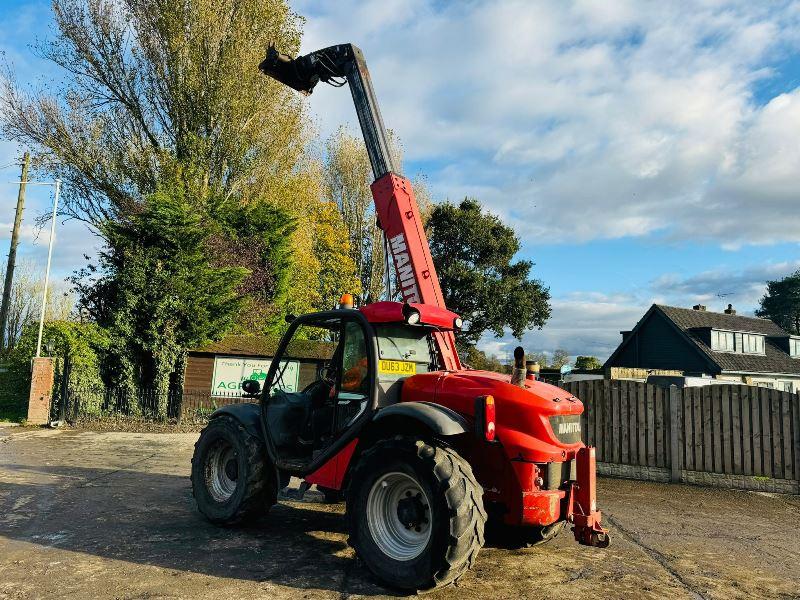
(327, 374)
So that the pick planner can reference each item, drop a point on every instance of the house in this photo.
(699, 342)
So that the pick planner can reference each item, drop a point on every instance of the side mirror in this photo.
(251, 387)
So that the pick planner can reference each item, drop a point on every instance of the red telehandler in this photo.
(423, 451)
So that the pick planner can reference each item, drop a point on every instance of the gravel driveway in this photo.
(110, 515)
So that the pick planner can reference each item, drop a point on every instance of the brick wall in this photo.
(41, 391)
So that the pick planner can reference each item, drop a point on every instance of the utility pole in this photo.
(12, 253)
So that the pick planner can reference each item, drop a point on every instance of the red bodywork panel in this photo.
(398, 215)
(522, 423)
(392, 312)
(331, 474)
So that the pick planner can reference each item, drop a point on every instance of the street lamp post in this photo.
(57, 184)
(47, 270)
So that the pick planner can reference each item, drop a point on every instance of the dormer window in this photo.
(741, 343)
(751, 344)
(722, 341)
(794, 347)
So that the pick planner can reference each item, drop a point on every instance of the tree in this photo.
(560, 358)
(153, 85)
(477, 359)
(473, 252)
(589, 363)
(539, 357)
(348, 175)
(161, 93)
(781, 303)
(165, 97)
(161, 287)
(332, 248)
(85, 343)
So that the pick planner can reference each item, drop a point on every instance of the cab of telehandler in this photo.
(310, 410)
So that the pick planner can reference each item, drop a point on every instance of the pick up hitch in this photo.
(582, 504)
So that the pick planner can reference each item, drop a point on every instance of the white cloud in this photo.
(587, 120)
(27, 233)
(582, 323)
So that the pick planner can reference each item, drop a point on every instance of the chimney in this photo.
(699, 307)
(730, 310)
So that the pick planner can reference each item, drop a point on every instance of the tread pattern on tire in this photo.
(258, 497)
(462, 492)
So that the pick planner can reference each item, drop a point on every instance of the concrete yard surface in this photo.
(110, 515)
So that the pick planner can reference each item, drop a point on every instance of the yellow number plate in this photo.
(397, 367)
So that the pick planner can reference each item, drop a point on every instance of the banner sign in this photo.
(230, 371)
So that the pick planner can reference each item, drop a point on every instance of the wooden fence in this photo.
(749, 433)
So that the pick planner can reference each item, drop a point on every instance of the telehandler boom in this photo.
(395, 204)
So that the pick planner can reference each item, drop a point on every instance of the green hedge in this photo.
(85, 343)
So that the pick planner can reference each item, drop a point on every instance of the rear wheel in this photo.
(232, 480)
(415, 513)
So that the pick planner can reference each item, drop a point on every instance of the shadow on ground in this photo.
(101, 512)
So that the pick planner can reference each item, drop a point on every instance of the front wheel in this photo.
(415, 513)
(232, 479)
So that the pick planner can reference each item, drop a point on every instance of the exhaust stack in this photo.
(518, 373)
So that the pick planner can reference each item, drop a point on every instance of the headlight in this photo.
(413, 317)
(457, 323)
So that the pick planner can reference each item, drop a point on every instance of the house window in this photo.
(751, 344)
(722, 340)
(794, 347)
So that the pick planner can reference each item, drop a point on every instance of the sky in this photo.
(643, 151)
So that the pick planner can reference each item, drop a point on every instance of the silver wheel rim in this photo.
(222, 471)
(399, 516)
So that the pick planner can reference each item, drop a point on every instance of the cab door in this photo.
(318, 387)
(352, 392)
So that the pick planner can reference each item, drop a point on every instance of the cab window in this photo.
(355, 367)
(406, 344)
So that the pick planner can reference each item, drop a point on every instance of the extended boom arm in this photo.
(335, 65)
(395, 205)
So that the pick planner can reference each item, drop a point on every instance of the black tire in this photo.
(510, 537)
(249, 482)
(457, 516)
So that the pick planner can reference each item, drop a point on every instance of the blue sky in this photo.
(644, 152)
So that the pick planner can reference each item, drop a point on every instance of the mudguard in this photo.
(440, 419)
(247, 413)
